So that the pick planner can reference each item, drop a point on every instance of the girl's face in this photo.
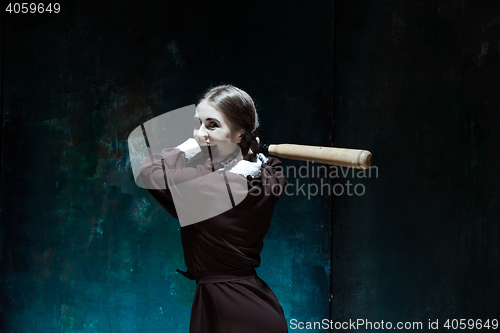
(211, 127)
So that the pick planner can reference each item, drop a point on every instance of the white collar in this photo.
(247, 168)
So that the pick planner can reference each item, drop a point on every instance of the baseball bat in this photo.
(354, 158)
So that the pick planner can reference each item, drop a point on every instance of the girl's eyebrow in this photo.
(209, 119)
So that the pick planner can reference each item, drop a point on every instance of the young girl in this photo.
(223, 192)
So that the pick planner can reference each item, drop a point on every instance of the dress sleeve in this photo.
(158, 170)
(273, 177)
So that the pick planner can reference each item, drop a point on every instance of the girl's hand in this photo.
(250, 156)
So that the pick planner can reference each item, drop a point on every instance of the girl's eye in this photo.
(212, 124)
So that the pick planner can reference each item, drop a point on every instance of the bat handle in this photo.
(264, 148)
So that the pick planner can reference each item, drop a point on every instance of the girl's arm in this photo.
(169, 165)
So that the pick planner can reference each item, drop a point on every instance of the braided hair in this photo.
(239, 110)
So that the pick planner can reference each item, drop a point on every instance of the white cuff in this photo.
(247, 168)
(190, 147)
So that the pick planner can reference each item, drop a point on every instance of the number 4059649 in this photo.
(471, 324)
(25, 7)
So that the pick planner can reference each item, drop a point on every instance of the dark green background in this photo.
(83, 248)
(415, 82)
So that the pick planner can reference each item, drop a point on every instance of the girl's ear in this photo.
(240, 134)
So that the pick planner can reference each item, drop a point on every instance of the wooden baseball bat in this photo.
(354, 158)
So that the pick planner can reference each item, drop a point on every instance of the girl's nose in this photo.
(202, 132)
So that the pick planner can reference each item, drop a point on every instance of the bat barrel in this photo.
(354, 158)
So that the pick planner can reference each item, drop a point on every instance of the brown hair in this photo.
(239, 110)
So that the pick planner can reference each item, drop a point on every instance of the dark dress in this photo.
(222, 252)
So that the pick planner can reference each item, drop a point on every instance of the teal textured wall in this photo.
(83, 248)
